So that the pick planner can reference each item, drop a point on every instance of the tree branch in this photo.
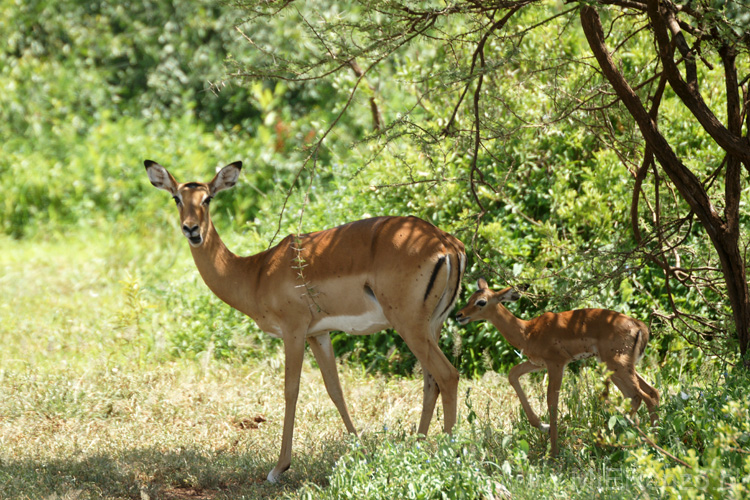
(687, 183)
(377, 117)
(732, 188)
(689, 94)
(477, 92)
(648, 159)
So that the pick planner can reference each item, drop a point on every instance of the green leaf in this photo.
(523, 445)
(612, 422)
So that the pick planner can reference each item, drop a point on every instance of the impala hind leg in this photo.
(294, 350)
(653, 401)
(437, 368)
(553, 395)
(323, 352)
(513, 377)
(630, 384)
(430, 392)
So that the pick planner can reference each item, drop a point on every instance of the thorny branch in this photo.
(663, 243)
(313, 156)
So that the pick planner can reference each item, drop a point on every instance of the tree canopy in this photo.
(498, 121)
(657, 90)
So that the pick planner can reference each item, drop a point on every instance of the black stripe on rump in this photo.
(639, 352)
(439, 264)
(455, 288)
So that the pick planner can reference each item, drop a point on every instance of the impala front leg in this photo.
(553, 396)
(514, 378)
(294, 350)
(323, 352)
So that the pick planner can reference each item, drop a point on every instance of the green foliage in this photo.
(199, 324)
(96, 88)
(708, 438)
(554, 170)
(152, 59)
(447, 467)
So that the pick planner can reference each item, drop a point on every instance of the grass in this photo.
(96, 405)
(106, 394)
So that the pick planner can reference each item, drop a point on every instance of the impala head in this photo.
(483, 302)
(193, 198)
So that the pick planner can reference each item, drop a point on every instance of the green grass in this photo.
(103, 402)
(123, 377)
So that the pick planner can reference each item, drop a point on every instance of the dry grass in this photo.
(179, 430)
(84, 414)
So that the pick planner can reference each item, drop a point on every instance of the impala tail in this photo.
(641, 339)
(455, 265)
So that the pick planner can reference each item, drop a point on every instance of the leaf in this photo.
(612, 422)
(523, 445)
(506, 468)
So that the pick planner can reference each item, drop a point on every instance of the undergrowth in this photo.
(700, 449)
(121, 381)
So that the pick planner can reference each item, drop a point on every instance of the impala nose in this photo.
(193, 234)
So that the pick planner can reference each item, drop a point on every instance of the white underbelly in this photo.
(591, 352)
(368, 322)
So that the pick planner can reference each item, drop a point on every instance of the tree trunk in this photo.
(724, 234)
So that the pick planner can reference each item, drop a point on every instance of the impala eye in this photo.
(207, 201)
(176, 200)
(481, 302)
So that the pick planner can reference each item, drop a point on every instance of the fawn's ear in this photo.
(226, 178)
(482, 284)
(509, 294)
(160, 177)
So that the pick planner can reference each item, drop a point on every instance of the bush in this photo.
(448, 467)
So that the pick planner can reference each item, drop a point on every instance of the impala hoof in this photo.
(273, 476)
(544, 428)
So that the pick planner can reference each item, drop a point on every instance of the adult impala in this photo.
(553, 340)
(361, 277)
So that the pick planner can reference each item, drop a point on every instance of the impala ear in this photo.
(512, 294)
(226, 178)
(160, 177)
(509, 294)
(482, 284)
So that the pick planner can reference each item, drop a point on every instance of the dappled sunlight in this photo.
(596, 151)
(215, 418)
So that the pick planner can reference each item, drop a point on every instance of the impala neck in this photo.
(223, 271)
(511, 327)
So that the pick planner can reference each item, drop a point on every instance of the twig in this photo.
(658, 448)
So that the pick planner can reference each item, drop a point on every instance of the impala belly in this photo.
(364, 324)
(356, 313)
(589, 353)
